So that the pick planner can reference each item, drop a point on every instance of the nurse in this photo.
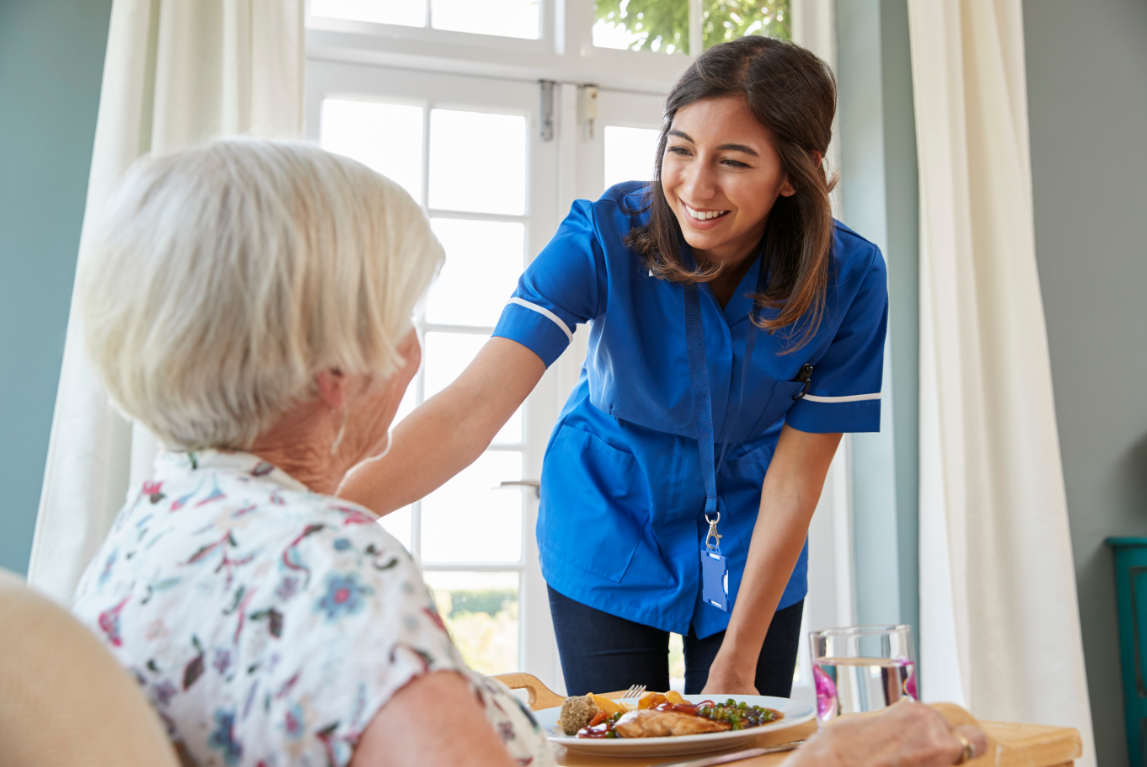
(736, 330)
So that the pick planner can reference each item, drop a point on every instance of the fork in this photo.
(635, 691)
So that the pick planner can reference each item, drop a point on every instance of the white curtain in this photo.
(1000, 629)
(175, 73)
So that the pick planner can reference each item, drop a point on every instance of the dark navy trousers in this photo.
(602, 653)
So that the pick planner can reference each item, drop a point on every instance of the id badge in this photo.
(714, 579)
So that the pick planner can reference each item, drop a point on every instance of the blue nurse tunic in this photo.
(620, 523)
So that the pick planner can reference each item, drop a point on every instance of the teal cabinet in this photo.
(1131, 597)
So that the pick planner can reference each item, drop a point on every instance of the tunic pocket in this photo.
(594, 501)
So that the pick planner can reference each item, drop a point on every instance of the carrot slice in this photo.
(598, 718)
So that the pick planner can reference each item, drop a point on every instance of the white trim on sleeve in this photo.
(838, 400)
(547, 314)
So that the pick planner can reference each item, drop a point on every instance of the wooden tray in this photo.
(1010, 745)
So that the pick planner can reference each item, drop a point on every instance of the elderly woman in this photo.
(250, 302)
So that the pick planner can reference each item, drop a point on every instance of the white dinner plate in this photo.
(794, 712)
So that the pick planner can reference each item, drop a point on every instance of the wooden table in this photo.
(1010, 745)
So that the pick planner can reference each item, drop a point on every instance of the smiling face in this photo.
(721, 175)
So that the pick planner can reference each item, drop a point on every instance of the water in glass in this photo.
(862, 668)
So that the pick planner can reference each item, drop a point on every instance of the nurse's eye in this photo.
(678, 150)
(734, 163)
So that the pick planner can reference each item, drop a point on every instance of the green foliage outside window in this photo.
(484, 626)
(490, 601)
(666, 22)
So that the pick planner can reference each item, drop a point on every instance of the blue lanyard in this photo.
(702, 402)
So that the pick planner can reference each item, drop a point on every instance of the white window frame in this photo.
(564, 51)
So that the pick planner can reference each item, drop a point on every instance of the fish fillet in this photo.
(650, 723)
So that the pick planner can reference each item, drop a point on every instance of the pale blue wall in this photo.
(1087, 106)
(51, 60)
(879, 199)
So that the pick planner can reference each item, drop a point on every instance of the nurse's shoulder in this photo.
(569, 282)
(629, 195)
(854, 257)
(622, 207)
(609, 218)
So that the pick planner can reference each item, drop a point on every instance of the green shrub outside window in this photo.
(665, 23)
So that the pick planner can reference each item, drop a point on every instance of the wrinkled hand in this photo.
(906, 734)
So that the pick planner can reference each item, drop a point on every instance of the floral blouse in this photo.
(266, 623)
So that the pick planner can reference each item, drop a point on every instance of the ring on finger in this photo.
(969, 748)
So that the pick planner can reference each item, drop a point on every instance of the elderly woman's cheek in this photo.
(411, 351)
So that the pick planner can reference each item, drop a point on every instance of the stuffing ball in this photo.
(577, 713)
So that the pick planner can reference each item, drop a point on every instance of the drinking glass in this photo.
(861, 668)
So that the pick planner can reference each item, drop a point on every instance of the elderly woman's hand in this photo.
(906, 734)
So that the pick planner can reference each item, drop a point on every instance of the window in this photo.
(668, 25)
(629, 153)
(654, 25)
(464, 149)
(508, 18)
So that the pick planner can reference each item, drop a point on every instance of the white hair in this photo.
(224, 277)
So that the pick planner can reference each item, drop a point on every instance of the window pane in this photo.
(507, 18)
(468, 520)
(477, 162)
(677, 663)
(724, 20)
(385, 137)
(397, 523)
(447, 355)
(642, 25)
(630, 154)
(408, 13)
(483, 262)
(481, 612)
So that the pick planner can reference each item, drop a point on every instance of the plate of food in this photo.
(667, 724)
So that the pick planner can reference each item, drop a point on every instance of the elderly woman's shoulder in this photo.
(339, 554)
(226, 521)
(347, 536)
(312, 540)
(231, 590)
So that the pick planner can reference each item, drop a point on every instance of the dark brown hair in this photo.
(792, 93)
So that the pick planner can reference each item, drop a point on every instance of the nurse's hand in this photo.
(728, 678)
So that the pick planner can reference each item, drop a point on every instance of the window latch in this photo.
(546, 114)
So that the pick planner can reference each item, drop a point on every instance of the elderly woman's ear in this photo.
(347, 422)
(332, 388)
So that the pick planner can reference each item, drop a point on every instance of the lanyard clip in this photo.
(713, 534)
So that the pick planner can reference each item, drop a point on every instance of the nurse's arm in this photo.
(449, 431)
(789, 496)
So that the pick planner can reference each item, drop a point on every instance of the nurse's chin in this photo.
(712, 244)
